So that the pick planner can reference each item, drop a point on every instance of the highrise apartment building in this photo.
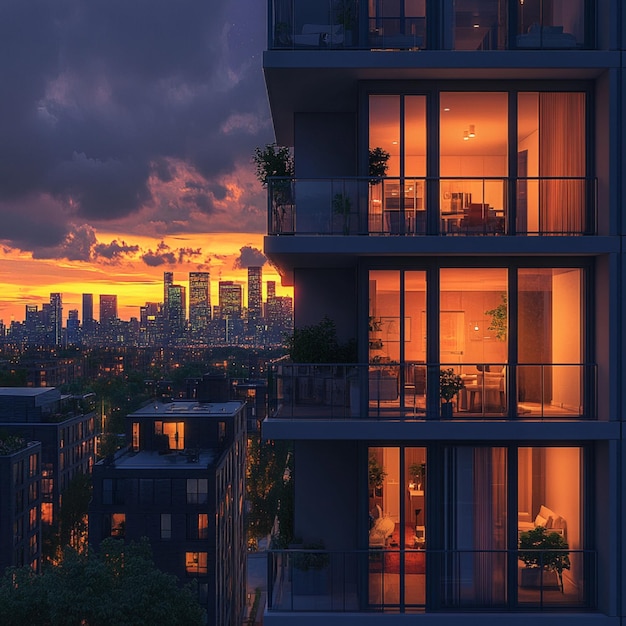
(55, 319)
(176, 309)
(456, 210)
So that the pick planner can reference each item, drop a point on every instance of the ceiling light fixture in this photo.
(465, 136)
(472, 131)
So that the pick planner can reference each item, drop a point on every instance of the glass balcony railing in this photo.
(413, 206)
(412, 391)
(373, 580)
(476, 25)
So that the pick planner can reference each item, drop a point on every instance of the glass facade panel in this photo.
(473, 162)
(550, 521)
(480, 24)
(550, 341)
(474, 570)
(551, 24)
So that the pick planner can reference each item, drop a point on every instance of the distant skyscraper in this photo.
(199, 301)
(88, 317)
(56, 318)
(271, 289)
(168, 281)
(73, 326)
(255, 302)
(176, 308)
(230, 299)
(108, 309)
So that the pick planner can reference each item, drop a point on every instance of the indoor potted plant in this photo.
(377, 164)
(545, 556)
(450, 384)
(376, 476)
(417, 472)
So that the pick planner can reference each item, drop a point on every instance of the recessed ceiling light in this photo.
(395, 143)
(476, 25)
(446, 109)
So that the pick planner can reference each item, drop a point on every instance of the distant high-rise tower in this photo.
(271, 289)
(168, 281)
(199, 301)
(176, 308)
(108, 309)
(56, 318)
(88, 318)
(230, 299)
(73, 328)
(255, 301)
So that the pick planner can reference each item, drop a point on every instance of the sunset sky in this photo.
(126, 136)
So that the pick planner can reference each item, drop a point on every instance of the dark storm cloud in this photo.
(164, 255)
(249, 257)
(100, 97)
(115, 250)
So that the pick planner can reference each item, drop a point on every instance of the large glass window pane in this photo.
(414, 151)
(551, 23)
(415, 536)
(473, 571)
(550, 341)
(480, 24)
(549, 504)
(473, 162)
(473, 336)
(552, 191)
(415, 340)
(397, 24)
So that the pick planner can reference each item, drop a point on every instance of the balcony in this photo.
(410, 391)
(489, 206)
(391, 580)
(481, 25)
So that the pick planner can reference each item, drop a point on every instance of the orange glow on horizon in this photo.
(25, 280)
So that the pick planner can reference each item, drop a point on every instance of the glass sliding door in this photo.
(473, 568)
(550, 342)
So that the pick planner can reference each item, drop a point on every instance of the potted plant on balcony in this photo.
(450, 384)
(342, 205)
(545, 556)
(345, 15)
(275, 161)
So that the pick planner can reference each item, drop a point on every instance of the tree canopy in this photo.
(119, 585)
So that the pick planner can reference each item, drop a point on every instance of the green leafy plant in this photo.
(318, 343)
(450, 384)
(417, 471)
(375, 473)
(342, 205)
(540, 548)
(499, 318)
(377, 164)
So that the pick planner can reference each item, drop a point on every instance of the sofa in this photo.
(546, 37)
(319, 36)
(546, 518)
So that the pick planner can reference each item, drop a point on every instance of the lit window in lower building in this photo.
(196, 562)
(118, 524)
(47, 509)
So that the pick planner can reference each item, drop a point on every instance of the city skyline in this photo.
(129, 150)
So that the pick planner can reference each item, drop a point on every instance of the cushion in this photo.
(544, 511)
(558, 522)
(540, 521)
(377, 512)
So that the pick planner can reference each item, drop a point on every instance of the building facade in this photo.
(199, 304)
(181, 485)
(456, 212)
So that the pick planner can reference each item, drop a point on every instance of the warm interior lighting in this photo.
(465, 136)
(472, 131)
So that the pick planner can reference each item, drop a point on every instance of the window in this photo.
(135, 436)
(146, 491)
(47, 512)
(198, 526)
(166, 526)
(32, 519)
(118, 525)
(196, 562)
(33, 465)
(197, 490)
(468, 181)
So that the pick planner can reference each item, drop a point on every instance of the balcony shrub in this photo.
(318, 343)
